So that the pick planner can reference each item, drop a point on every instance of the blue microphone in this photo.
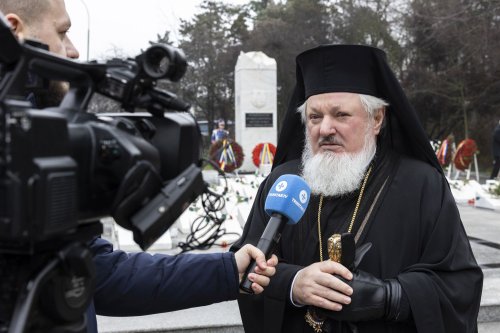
(286, 202)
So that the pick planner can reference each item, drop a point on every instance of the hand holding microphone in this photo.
(264, 270)
(286, 203)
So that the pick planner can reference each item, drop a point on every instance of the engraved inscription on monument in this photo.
(259, 120)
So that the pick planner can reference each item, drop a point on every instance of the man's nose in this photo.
(71, 51)
(328, 127)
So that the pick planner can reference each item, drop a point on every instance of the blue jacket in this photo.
(133, 284)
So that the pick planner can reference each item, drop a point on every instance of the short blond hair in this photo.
(30, 11)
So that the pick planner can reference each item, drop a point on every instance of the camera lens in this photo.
(157, 62)
(163, 61)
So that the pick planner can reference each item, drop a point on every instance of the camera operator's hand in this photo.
(263, 271)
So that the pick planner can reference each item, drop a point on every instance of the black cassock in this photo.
(417, 236)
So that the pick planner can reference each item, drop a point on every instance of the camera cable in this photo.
(208, 228)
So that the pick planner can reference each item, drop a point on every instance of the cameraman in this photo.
(135, 283)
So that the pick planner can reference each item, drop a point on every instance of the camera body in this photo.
(62, 169)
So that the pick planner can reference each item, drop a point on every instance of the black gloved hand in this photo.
(372, 299)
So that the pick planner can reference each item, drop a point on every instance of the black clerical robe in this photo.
(418, 238)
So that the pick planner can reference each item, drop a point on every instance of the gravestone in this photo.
(255, 104)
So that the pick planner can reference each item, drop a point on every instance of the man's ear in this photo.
(379, 120)
(17, 25)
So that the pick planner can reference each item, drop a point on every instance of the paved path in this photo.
(482, 226)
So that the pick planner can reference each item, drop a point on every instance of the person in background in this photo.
(136, 283)
(220, 133)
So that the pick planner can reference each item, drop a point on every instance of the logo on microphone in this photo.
(281, 186)
(303, 196)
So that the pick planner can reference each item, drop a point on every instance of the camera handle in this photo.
(62, 289)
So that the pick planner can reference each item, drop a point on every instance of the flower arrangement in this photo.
(227, 154)
(263, 153)
(464, 154)
(445, 152)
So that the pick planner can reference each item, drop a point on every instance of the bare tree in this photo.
(453, 68)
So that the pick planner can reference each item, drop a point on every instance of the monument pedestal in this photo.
(255, 104)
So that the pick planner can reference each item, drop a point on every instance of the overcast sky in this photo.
(126, 25)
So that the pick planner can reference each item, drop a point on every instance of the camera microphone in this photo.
(286, 202)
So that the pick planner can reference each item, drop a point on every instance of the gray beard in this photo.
(333, 174)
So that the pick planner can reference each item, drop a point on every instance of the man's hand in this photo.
(315, 285)
(373, 298)
(263, 271)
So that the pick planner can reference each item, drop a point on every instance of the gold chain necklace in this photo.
(358, 202)
(310, 317)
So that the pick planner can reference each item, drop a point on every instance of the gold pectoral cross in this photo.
(335, 247)
(335, 254)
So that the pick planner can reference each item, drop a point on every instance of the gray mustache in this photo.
(329, 140)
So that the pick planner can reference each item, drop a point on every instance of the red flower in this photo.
(259, 151)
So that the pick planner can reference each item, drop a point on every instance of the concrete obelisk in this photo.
(255, 103)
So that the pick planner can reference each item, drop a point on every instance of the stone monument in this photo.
(255, 104)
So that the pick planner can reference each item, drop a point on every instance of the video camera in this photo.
(63, 168)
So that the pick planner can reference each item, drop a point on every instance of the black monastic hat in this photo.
(357, 69)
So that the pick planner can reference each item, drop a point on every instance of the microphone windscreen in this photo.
(289, 196)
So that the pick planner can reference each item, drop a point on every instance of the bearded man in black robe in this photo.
(375, 180)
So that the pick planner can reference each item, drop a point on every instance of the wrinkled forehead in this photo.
(333, 101)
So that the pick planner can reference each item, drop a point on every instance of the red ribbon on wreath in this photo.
(464, 154)
(263, 152)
